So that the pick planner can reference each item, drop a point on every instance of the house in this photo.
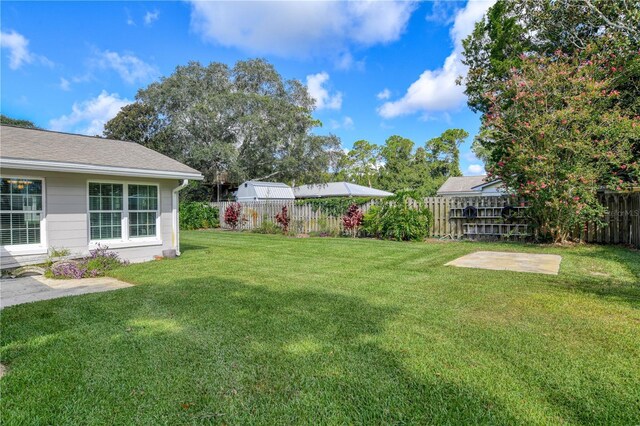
(254, 190)
(466, 186)
(337, 189)
(61, 190)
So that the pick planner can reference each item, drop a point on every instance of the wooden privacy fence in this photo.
(449, 217)
(453, 218)
(622, 221)
(305, 218)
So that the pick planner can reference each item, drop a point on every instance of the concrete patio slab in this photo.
(14, 291)
(505, 261)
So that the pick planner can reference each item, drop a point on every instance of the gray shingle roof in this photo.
(461, 184)
(338, 189)
(77, 150)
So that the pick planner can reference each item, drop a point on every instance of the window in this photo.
(143, 210)
(20, 211)
(121, 211)
(105, 211)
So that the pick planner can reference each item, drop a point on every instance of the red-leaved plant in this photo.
(352, 220)
(283, 219)
(233, 215)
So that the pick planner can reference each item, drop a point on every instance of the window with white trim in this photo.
(20, 211)
(123, 211)
(105, 210)
(143, 210)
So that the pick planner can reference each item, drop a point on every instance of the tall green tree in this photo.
(559, 135)
(513, 30)
(443, 153)
(17, 122)
(245, 121)
(399, 171)
(364, 162)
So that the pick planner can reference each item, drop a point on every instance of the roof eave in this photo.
(16, 163)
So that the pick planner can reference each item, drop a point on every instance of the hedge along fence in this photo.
(450, 219)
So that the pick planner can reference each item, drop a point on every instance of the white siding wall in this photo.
(66, 215)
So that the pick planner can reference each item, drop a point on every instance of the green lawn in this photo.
(248, 328)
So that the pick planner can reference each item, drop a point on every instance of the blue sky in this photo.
(375, 68)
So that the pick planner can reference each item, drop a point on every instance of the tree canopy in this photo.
(398, 165)
(8, 121)
(246, 122)
(513, 30)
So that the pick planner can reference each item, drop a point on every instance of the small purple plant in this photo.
(99, 261)
(68, 270)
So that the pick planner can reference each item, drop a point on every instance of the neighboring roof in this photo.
(46, 150)
(271, 190)
(337, 189)
(487, 184)
(461, 184)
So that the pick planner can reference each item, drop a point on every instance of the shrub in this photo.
(267, 227)
(403, 217)
(59, 252)
(198, 215)
(352, 220)
(100, 261)
(283, 219)
(371, 222)
(233, 215)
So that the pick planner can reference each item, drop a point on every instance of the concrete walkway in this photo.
(506, 261)
(14, 291)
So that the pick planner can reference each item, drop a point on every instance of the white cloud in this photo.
(346, 123)
(436, 90)
(151, 17)
(300, 29)
(19, 53)
(89, 117)
(475, 170)
(64, 84)
(385, 94)
(130, 67)
(130, 20)
(324, 99)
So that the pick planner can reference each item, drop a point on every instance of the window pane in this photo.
(94, 189)
(95, 233)
(17, 221)
(19, 236)
(5, 237)
(17, 202)
(5, 221)
(105, 232)
(94, 219)
(35, 187)
(5, 186)
(106, 203)
(94, 203)
(34, 235)
(117, 203)
(117, 231)
(5, 202)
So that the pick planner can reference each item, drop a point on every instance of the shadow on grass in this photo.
(239, 353)
(624, 287)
